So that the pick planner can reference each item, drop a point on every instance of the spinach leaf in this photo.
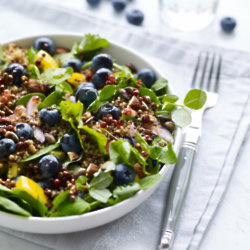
(24, 100)
(101, 180)
(98, 138)
(101, 195)
(195, 99)
(55, 76)
(160, 85)
(142, 142)
(149, 181)
(42, 151)
(121, 193)
(150, 93)
(108, 92)
(11, 206)
(31, 54)
(181, 117)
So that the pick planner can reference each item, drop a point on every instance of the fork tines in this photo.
(205, 72)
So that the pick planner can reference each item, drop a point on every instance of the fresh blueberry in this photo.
(93, 2)
(228, 24)
(74, 63)
(100, 77)
(86, 94)
(71, 143)
(24, 130)
(135, 17)
(147, 76)
(50, 116)
(49, 166)
(7, 147)
(45, 43)
(45, 184)
(123, 174)
(119, 5)
(86, 84)
(102, 61)
(17, 71)
(129, 140)
(108, 109)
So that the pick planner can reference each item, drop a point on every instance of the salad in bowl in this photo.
(81, 132)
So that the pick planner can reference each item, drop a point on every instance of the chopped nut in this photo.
(61, 50)
(73, 156)
(134, 103)
(138, 170)
(92, 168)
(34, 86)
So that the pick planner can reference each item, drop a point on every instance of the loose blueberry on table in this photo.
(228, 24)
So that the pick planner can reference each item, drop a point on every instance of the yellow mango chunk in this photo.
(31, 187)
(45, 60)
(137, 178)
(76, 79)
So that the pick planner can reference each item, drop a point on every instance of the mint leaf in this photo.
(181, 117)
(54, 98)
(33, 71)
(101, 180)
(108, 92)
(168, 155)
(31, 54)
(159, 85)
(42, 152)
(195, 99)
(24, 100)
(100, 139)
(150, 93)
(142, 142)
(56, 75)
(123, 192)
(149, 181)
(101, 195)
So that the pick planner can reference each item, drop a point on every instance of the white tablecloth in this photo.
(222, 150)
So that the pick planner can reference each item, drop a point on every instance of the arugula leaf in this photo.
(142, 142)
(54, 98)
(56, 75)
(101, 195)
(108, 92)
(168, 155)
(150, 93)
(42, 151)
(121, 193)
(160, 86)
(101, 180)
(81, 180)
(11, 206)
(149, 181)
(195, 99)
(31, 54)
(181, 117)
(24, 100)
(100, 139)
(67, 207)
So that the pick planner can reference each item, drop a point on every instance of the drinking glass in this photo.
(188, 15)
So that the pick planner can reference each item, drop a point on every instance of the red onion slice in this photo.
(38, 134)
(163, 133)
(32, 105)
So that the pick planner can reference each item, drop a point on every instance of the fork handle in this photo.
(176, 194)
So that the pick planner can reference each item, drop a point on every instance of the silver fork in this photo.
(182, 171)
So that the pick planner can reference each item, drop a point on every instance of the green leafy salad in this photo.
(80, 132)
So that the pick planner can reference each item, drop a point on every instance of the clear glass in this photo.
(188, 15)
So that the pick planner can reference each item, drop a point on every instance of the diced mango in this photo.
(31, 187)
(46, 60)
(13, 170)
(76, 79)
(137, 178)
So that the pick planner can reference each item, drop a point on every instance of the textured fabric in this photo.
(220, 142)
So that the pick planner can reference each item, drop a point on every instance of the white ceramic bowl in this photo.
(93, 219)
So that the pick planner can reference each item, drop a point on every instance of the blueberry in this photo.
(7, 147)
(93, 2)
(45, 184)
(123, 174)
(50, 116)
(100, 77)
(24, 130)
(74, 63)
(71, 143)
(228, 24)
(49, 166)
(135, 17)
(17, 71)
(109, 109)
(129, 140)
(87, 84)
(45, 43)
(119, 5)
(147, 76)
(86, 94)
(102, 61)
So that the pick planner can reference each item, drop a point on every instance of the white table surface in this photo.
(233, 234)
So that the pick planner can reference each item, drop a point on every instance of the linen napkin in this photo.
(220, 142)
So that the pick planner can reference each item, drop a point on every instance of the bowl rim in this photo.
(162, 172)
